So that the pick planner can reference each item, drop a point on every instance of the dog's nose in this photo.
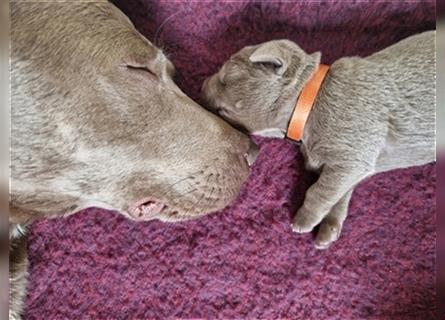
(251, 154)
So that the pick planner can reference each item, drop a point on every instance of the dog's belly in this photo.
(393, 157)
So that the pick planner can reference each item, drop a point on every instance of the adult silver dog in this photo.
(97, 120)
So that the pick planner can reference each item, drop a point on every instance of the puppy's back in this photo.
(383, 103)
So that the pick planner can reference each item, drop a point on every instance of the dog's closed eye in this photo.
(141, 68)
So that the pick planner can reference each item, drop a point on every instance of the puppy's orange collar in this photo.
(305, 102)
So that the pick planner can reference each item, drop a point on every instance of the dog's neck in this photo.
(287, 102)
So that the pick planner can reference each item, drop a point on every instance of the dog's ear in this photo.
(271, 53)
(153, 62)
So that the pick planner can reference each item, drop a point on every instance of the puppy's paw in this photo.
(328, 232)
(304, 221)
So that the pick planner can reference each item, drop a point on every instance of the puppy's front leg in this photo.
(331, 226)
(332, 185)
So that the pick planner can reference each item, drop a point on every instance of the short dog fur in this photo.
(371, 115)
(96, 120)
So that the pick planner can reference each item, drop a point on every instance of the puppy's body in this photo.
(371, 114)
(379, 111)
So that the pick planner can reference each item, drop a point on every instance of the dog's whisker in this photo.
(158, 31)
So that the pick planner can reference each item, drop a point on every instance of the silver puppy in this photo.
(371, 115)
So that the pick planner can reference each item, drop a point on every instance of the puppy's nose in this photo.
(251, 154)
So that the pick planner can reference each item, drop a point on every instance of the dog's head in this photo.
(97, 118)
(253, 88)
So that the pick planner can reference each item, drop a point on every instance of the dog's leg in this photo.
(332, 185)
(331, 226)
(18, 271)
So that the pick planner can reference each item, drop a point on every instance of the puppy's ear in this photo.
(285, 55)
(271, 53)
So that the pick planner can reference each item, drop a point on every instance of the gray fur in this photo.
(18, 272)
(371, 115)
(89, 129)
(97, 120)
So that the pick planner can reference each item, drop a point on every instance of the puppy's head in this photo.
(253, 90)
